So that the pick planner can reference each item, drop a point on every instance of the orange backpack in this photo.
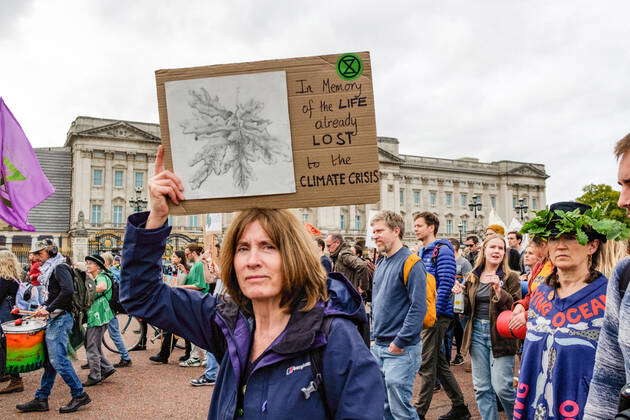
(431, 315)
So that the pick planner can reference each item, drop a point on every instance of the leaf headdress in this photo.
(584, 225)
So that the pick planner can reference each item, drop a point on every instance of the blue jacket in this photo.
(353, 382)
(398, 309)
(444, 271)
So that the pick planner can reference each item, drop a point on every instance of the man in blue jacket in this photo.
(398, 310)
(439, 259)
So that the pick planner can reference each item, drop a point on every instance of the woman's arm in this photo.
(509, 293)
(142, 291)
(145, 295)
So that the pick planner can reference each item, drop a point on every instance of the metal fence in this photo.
(21, 252)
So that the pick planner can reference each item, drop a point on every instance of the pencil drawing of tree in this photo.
(235, 139)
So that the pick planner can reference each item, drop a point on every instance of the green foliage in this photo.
(605, 196)
(554, 224)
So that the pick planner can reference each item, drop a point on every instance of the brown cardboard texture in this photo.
(332, 130)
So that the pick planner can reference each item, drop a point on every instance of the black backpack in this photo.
(114, 302)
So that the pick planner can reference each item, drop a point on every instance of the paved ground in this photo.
(150, 391)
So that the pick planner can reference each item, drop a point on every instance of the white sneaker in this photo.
(190, 363)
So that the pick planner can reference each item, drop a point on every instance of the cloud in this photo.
(543, 82)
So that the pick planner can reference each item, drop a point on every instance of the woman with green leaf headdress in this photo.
(566, 312)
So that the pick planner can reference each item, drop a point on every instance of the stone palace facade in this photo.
(100, 175)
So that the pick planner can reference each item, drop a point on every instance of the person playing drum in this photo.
(57, 308)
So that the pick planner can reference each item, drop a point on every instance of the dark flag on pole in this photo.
(23, 184)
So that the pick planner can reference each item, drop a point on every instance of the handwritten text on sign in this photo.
(333, 131)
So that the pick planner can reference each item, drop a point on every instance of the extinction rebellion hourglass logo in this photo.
(349, 66)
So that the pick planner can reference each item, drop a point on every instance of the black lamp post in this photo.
(521, 209)
(476, 205)
(460, 227)
(138, 204)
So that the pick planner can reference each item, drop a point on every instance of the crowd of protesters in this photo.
(286, 324)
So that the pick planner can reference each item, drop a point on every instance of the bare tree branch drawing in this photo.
(235, 139)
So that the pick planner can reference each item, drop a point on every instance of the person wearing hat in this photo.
(98, 317)
(565, 312)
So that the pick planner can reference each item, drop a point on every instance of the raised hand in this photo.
(162, 185)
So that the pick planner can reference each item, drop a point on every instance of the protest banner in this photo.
(285, 133)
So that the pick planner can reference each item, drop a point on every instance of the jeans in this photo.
(56, 342)
(436, 367)
(114, 333)
(399, 372)
(211, 367)
(490, 375)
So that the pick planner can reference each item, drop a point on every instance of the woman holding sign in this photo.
(287, 337)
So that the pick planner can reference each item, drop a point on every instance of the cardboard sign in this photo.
(280, 134)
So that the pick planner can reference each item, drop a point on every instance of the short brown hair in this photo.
(431, 219)
(303, 275)
(392, 220)
(195, 247)
(622, 146)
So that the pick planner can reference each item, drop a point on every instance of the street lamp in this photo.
(476, 205)
(138, 204)
(521, 208)
(460, 227)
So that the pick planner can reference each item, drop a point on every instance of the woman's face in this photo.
(566, 253)
(258, 264)
(175, 259)
(530, 258)
(92, 268)
(494, 251)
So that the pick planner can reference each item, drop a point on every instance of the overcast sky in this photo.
(535, 81)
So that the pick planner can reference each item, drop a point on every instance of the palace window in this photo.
(118, 178)
(493, 201)
(402, 197)
(449, 198)
(117, 214)
(139, 179)
(433, 198)
(193, 221)
(96, 214)
(534, 204)
(357, 222)
(449, 226)
(97, 177)
(342, 221)
(464, 226)
(463, 199)
(416, 198)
